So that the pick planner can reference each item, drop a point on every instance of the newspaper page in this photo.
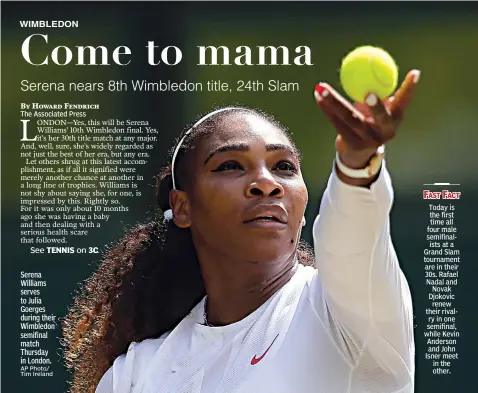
(154, 153)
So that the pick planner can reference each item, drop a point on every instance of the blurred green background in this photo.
(437, 143)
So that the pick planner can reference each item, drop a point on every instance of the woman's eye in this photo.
(286, 166)
(228, 166)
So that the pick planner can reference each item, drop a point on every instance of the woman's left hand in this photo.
(362, 128)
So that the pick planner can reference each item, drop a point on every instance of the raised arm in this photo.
(365, 301)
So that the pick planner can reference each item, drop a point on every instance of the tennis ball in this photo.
(368, 69)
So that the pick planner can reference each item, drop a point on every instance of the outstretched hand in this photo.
(362, 128)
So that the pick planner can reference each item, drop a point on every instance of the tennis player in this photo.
(219, 295)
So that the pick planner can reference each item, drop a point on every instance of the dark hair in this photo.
(145, 285)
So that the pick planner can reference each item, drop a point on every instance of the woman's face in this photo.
(248, 196)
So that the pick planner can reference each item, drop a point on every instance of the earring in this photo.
(168, 215)
(303, 221)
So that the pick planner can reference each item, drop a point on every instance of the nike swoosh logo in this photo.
(256, 360)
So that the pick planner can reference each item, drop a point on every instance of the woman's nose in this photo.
(264, 184)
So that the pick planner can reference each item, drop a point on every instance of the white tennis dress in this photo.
(345, 327)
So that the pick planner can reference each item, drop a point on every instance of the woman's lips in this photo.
(266, 223)
(268, 214)
(271, 217)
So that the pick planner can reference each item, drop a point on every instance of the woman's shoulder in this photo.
(311, 281)
(147, 347)
(140, 353)
(126, 368)
(309, 273)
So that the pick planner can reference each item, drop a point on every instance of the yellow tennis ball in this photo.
(368, 69)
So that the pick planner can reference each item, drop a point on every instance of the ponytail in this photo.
(144, 287)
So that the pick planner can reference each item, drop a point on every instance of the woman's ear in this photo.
(179, 202)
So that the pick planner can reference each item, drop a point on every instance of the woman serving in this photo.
(220, 295)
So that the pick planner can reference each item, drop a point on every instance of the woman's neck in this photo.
(235, 289)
